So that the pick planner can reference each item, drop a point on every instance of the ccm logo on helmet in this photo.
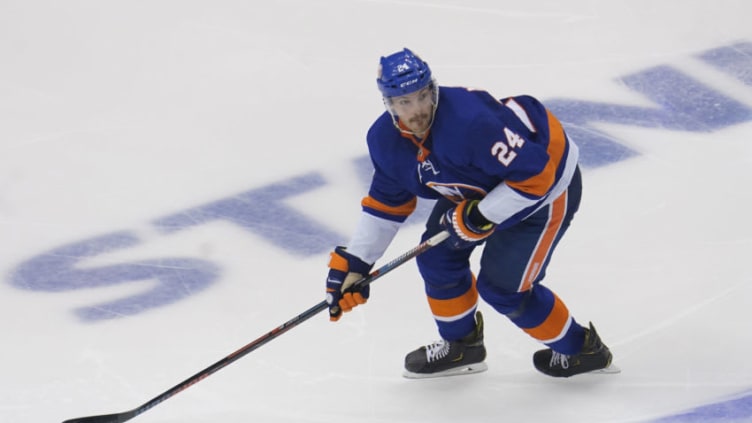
(408, 83)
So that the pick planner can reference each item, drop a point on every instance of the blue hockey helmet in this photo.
(402, 73)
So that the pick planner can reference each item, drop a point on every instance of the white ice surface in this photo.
(116, 113)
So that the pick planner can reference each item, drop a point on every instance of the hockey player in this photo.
(505, 175)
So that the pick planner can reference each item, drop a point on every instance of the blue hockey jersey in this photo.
(511, 153)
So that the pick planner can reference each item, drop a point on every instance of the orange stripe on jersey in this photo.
(540, 184)
(454, 307)
(402, 210)
(545, 242)
(554, 325)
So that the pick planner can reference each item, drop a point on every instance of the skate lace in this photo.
(437, 350)
(559, 359)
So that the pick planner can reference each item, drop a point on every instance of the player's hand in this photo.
(344, 270)
(466, 225)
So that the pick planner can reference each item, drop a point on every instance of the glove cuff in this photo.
(343, 261)
(475, 217)
(469, 223)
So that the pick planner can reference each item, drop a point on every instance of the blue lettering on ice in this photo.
(735, 60)
(61, 270)
(683, 104)
(733, 410)
(263, 212)
(680, 103)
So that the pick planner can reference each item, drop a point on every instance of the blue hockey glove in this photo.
(344, 270)
(466, 225)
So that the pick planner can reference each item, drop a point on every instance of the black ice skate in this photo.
(594, 357)
(449, 358)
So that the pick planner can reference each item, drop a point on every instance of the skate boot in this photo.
(593, 357)
(449, 358)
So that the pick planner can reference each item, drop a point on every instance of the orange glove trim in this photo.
(337, 262)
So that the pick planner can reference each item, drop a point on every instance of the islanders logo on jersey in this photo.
(456, 192)
(429, 175)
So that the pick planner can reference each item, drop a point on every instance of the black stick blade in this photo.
(104, 418)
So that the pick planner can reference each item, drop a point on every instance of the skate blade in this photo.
(464, 370)
(610, 370)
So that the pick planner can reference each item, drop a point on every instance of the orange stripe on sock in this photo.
(554, 325)
(455, 307)
(546, 241)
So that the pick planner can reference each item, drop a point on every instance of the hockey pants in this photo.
(512, 265)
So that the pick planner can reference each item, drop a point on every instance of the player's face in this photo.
(415, 110)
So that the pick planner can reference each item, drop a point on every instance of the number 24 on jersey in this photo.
(504, 150)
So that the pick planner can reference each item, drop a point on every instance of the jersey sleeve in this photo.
(387, 205)
(372, 237)
(532, 154)
(386, 199)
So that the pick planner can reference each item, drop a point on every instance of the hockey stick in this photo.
(381, 271)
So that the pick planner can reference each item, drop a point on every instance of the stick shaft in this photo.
(258, 342)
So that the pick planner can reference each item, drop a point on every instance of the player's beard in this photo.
(420, 123)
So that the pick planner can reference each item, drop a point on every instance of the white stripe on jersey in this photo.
(521, 113)
(503, 202)
(371, 238)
